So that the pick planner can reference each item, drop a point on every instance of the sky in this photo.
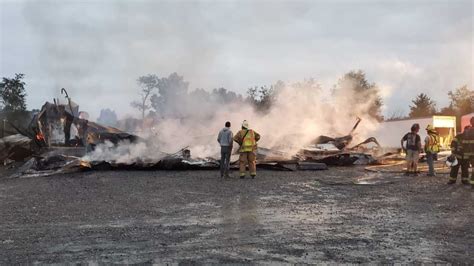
(98, 49)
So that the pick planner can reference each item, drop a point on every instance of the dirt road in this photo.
(339, 215)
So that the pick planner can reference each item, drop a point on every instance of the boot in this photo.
(465, 182)
(450, 182)
(253, 176)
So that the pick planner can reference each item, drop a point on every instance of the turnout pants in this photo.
(247, 158)
(464, 165)
(225, 160)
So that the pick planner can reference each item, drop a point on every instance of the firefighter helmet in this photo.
(430, 127)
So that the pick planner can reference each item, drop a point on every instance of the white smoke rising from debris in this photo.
(298, 115)
(125, 153)
(98, 49)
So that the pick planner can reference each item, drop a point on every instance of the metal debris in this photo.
(60, 135)
(15, 148)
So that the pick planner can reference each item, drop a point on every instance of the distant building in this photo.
(390, 133)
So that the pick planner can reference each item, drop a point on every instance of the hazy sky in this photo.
(97, 49)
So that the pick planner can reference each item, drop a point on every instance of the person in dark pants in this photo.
(412, 149)
(432, 147)
(468, 147)
(463, 161)
(225, 139)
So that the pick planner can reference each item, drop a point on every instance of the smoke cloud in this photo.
(97, 49)
(299, 114)
(101, 47)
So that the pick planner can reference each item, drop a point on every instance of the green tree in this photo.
(223, 96)
(261, 97)
(422, 106)
(364, 92)
(173, 93)
(449, 110)
(147, 84)
(13, 93)
(462, 100)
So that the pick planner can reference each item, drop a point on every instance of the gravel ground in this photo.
(343, 215)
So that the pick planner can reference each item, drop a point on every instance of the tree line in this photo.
(461, 103)
(170, 97)
(13, 104)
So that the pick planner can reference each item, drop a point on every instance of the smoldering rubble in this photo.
(60, 139)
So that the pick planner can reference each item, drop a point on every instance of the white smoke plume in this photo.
(97, 49)
(300, 113)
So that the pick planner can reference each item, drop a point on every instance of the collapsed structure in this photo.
(60, 136)
(62, 125)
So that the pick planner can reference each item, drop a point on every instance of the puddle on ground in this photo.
(376, 179)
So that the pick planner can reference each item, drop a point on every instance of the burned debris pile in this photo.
(335, 151)
(59, 138)
(180, 160)
(62, 125)
(51, 163)
(15, 148)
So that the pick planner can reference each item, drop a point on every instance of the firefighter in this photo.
(247, 139)
(468, 147)
(463, 161)
(432, 147)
